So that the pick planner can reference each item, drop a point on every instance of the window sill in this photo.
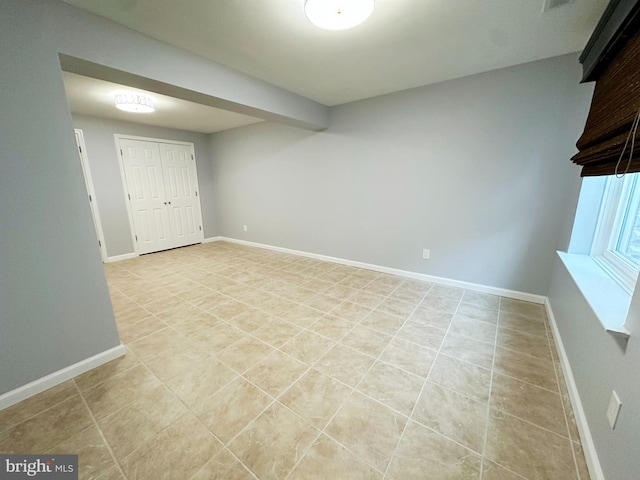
(608, 300)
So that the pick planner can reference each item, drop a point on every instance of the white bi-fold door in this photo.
(162, 192)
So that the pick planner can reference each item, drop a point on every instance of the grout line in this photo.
(564, 410)
(488, 417)
(515, 474)
(424, 383)
(224, 448)
(104, 439)
(311, 366)
(190, 410)
(353, 389)
(524, 420)
(529, 383)
(45, 409)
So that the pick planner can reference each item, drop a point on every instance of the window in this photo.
(616, 243)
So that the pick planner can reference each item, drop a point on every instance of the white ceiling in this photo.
(404, 44)
(89, 96)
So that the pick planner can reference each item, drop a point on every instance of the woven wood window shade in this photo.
(615, 104)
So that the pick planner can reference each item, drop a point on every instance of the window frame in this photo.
(613, 209)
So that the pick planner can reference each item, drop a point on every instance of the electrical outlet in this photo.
(426, 254)
(614, 409)
(244, 227)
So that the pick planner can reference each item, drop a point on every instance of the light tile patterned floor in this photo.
(245, 363)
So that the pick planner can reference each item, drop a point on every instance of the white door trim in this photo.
(93, 200)
(120, 136)
(125, 190)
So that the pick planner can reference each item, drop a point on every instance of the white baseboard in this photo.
(119, 258)
(588, 447)
(212, 239)
(128, 256)
(503, 292)
(61, 376)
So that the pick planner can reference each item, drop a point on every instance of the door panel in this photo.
(179, 173)
(143, 172)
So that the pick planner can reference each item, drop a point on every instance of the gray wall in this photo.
(54, 304)
(104, 162)
(474, 169)
(602, 363)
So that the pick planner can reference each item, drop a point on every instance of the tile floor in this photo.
(245, 363)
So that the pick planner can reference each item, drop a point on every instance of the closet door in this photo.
(146, 194)
(181, 190)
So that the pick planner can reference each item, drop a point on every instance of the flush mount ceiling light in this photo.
(337, 14)
(134, 102)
